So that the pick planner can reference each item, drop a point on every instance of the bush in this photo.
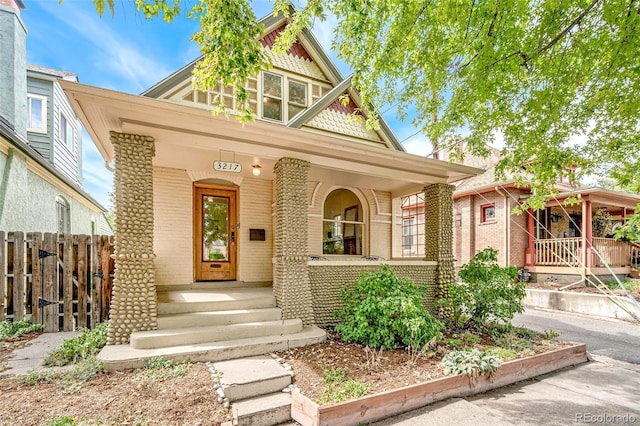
(487, 293)
(384, 311)
(13, 330)
(81, 347)
(472, 363)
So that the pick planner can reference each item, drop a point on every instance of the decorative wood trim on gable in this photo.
(296, 49)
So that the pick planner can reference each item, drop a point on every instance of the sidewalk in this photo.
(603, 391)
(30, 357)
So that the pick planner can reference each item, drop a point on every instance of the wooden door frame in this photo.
(197, 223)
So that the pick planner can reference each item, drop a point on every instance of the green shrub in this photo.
(470, 363)
(385, 311)
(15, 329)
(487, 293)
(87, 344)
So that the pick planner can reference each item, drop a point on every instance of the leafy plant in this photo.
(385, 311)
(70, 380)
(471, 363)
(487, 293)
(15, 329)
(81, 347)
(454, 343)
(471, 338)
(159, 368)
(64, 421)
(551, 334)
(513, 340)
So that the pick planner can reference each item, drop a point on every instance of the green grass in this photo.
(81, 347)
(339, 388)
(502, 353)
(629, 284)
(13, 330)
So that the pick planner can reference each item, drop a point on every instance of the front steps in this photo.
(254, 387)
(212, 324)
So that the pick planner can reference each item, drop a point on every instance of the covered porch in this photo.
(294, 193)
(573, 242)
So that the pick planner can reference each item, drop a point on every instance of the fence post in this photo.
(107, 268)
(67, 281)
(50, 278)
(83, 241)
(96, 303)
(36, 276)
(18, 276)
(3, 276)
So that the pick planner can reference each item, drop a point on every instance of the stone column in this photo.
(291, 285)
(133, 305)
(438, 222)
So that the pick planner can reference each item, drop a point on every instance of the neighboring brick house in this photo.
(554, 243)
(304, 198)
(40, 144)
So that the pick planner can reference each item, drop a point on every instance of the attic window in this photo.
(280, 89)
(37, 118)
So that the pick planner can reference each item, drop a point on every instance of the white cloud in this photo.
(418, 144)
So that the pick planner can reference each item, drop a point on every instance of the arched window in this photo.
(342, 224)
(63, 216)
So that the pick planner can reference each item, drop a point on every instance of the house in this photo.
(299, 201)
(558, 243)
(40, 144)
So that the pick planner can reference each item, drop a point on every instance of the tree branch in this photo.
(564, 32)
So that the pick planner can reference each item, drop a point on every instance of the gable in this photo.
(301, 90)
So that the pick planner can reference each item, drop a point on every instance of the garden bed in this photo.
(374, 407)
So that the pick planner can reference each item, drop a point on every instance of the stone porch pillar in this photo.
(133, 305)
(291, 285)
(438, 222)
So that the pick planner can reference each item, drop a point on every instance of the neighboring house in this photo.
(304, 198)
(40, 144)
(556, 243)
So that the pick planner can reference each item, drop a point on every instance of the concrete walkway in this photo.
(30, 357)
(599, 392)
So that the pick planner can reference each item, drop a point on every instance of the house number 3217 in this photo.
(226, 166)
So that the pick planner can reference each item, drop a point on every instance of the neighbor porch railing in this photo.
(558, 252)
(568, 252)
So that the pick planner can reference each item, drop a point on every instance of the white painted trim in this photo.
(44, 128)
(197, 175)
(315, 194)
(381, 221)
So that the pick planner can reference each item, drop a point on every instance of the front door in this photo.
(215, 221)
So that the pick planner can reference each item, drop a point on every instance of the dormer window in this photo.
(37, 118)
(67, 133)
(272, 96)
(277, 89)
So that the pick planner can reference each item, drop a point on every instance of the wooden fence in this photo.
(63, 281)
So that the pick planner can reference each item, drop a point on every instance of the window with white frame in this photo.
(63, 215)
(343, 224)
(67, 132)
(413, 225)
(37, 113)
(278, 90)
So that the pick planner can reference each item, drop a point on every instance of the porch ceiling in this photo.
(191, 138)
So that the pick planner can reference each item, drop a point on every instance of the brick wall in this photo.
(173, 230)
(255, 257)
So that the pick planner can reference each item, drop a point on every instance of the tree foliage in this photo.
(541, 73)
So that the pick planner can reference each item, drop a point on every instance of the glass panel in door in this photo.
(215, 232)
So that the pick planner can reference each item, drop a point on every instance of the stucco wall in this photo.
(29, 199)
(327, 280)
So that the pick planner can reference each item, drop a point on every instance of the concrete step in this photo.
(264, 410)
(185, 301)
(203, 319)
(120, 357)
(196, 335)
(208, 285)
(250, 377)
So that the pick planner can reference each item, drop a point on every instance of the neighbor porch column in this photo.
(133, 306)
(587, 234)
(291, 285)
(438, 222)
(530, 252)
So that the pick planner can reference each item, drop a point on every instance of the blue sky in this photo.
(129, 53)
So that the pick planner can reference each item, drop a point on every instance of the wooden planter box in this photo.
(375, 407)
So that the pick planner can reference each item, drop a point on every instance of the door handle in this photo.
(233, 236)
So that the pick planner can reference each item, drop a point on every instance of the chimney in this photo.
(13, 65)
